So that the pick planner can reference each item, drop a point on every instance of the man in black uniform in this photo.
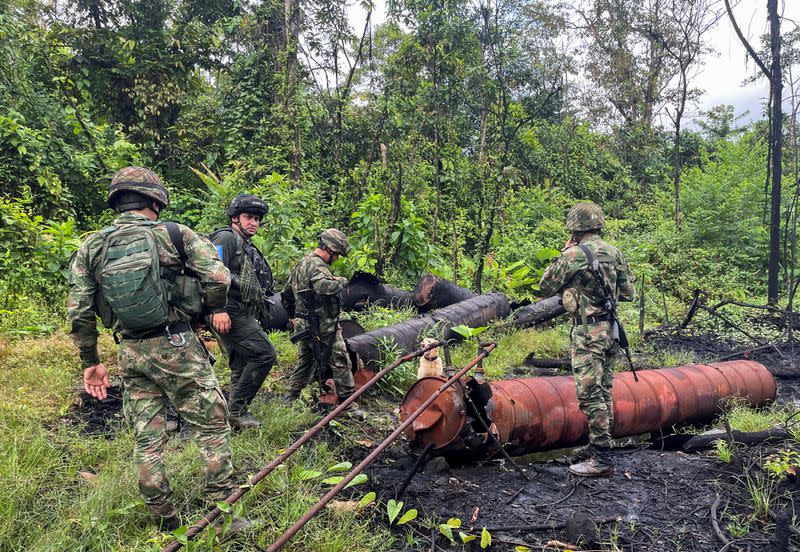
(239, 328)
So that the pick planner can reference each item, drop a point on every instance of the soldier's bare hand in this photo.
(291, 322)
(95, 381)
(221, 322)
(570, 243)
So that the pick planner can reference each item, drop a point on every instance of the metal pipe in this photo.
(536, 414)
(538, 313)
(433, 292)
(283, 539)
(474, 312)
(294, 447)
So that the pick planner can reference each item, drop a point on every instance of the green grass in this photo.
(514, 347)
(45, 504)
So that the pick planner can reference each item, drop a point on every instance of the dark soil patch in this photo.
(102, 418)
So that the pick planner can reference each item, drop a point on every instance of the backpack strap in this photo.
(177, 240)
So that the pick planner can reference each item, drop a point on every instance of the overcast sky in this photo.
(723, 73)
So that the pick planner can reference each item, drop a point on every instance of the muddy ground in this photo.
(658, 500)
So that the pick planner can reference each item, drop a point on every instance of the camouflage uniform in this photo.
(593, 347)
(311, 274)
(154, 371)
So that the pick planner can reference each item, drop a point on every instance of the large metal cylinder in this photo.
(536, 414)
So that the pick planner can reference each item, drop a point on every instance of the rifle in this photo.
(321, 355)
(610, 305)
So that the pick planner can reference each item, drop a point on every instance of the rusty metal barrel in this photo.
(537, 414)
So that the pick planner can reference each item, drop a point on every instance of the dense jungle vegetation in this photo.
(450, 138)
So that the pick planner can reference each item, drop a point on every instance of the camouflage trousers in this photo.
(155, 372)
(593, 349)
(338, 362)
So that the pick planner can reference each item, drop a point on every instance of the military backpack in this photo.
(134, 286)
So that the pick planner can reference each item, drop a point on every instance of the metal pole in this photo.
(283, 539)
(240, 492)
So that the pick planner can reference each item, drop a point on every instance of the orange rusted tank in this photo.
(536, 414)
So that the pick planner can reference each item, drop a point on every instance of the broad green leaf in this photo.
(408, 516)
(521, 548)
(392, 509)
(224, 507)
(464, 331)
(454, 522)
(367, 499)
(465, 538)
(333, 480)
(341, 466)
(486, 538)
(357, 480)
(447, 531)
(305, 474)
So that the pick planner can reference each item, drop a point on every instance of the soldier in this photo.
(148, 280)
(312, 297)
(250, 351)
(593, 346)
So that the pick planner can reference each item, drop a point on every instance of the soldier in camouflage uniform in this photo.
(311, 285)
(249, 349)
(159, 365)
(593, 347)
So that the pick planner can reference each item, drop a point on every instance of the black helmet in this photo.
(247, 203)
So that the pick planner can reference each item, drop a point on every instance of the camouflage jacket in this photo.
(312, 275)
(82, 302)
(570, 270)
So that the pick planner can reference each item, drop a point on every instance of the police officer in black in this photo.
(239, 328)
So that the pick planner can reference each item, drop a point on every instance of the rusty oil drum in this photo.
(536, 414)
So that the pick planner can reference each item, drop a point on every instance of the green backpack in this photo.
(129, 274)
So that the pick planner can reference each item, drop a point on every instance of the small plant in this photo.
(723, 451)
(761, 495)
(394, 507)
(785, 462)
(738, 527)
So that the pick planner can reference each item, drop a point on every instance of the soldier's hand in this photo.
(343, 280)
(221, 322)
(570, 243)
(95, 381)
(291, 322)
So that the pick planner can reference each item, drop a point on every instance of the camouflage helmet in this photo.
(139, 180)
(584, 216)
(247, 203)
(334, 241)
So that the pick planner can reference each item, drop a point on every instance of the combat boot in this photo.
(167, 524)
(599, 465)
(244, 420)
(289, 397)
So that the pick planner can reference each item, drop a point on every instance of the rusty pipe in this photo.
(294, 447)
(314, 510)
(536, 414)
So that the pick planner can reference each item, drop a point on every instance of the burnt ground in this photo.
(657, 499)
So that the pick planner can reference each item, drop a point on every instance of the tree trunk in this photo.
(777, 149)
(676, 158)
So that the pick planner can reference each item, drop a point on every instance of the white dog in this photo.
(429, 364)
